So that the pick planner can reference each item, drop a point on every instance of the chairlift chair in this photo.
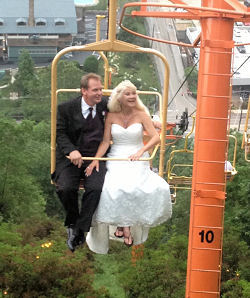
(230, 170)
(246, 134)
(179, 181)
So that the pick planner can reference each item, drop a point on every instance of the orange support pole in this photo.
(143, 8)
(208, 186)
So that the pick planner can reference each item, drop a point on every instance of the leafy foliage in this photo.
(167, 261)
(91, 64)
(41, 268)
(235, 266)
(25, 78)
(20, 196)
(69, 74)
(238, 195)
(135, 24)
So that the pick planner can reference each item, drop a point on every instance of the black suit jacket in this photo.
(68, 129)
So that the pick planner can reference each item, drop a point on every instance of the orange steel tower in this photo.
(208, 195)
(211, 140)
(208, 186)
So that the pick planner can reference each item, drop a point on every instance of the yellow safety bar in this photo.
(246, 134)
(232, 171)
(246, 138)
(107, 92)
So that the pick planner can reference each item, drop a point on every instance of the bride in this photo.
(133, 197)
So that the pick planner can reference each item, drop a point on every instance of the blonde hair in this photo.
(114, 104)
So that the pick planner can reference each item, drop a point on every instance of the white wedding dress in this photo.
(132, 196)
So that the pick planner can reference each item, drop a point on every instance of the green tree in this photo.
(91, 64)
(236, 240)
(33, 263)
(137, 25)
(20, 195)
(124, 35)
(38, 150)
(160, 273)
(25, 78)
(36, 106)
(235, 288)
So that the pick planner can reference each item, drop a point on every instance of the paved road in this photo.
(164, 29)
(238, 119)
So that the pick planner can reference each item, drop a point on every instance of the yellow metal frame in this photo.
(115, 46)
(246, 135)
(174, 180)
(230, 174)
(107, 92)
(105, 59)
(246, 138)
(173, 195)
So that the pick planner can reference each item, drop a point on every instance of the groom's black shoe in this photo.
(80, 238)
(72, 237)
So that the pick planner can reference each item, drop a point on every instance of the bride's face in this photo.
(129, 98)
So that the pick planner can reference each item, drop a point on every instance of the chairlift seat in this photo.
(230, 174)
(179, 180)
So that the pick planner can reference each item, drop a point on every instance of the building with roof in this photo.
(188, 30)
(241, 61)
(41, 26)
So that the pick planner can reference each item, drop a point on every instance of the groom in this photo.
(80, 126)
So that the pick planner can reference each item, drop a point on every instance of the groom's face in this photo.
(93, 94)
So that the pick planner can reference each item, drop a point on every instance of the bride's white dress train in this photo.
(132, 196)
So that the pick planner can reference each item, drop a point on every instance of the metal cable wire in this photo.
(183, 82)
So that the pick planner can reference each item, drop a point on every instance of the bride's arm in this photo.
(152, 135)
(103, 147)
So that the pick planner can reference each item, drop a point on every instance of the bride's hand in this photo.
(136, 156)
(90, 168)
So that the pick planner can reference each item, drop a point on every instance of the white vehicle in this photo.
(68, 55)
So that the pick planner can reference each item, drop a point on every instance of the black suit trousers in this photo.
(67, 185)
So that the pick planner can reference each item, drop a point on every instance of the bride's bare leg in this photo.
(128, 240)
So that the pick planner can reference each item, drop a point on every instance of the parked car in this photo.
(68, 55)
(241, 49)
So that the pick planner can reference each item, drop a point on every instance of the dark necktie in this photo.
(89, 117)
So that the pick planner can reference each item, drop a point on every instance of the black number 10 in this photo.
(208, 236)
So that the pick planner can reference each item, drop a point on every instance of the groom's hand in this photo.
(76, 158)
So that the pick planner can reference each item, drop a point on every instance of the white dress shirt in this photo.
(85, 109)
